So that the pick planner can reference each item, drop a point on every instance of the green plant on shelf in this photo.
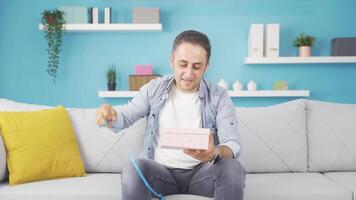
(111, 77)
(53, 22)
(304, 40)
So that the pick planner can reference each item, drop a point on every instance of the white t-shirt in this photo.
(182, 110)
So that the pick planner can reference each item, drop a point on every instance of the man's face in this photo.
(189, 62)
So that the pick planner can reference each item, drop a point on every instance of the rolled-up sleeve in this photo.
(134, 110)
(227, 125)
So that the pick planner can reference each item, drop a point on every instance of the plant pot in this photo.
(111, 86)
(304, 51)
(51, 19)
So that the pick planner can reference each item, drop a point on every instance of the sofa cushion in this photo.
(273, 138)
(101, 186)
(331, 136)
(346, 179)
(101, 149)
(40, 145)
(293, 186)
(94, 186)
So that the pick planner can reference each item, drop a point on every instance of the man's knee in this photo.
(130, 176)
(231, 169)
(132, 186)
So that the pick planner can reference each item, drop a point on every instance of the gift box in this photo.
(143, 69)
(197, 138)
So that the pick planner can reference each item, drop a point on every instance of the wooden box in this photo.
(137, 81)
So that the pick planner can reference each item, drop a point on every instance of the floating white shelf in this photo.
(270, 93)
(117, 94)
(110, 27)
(301, 60)
(257, 93)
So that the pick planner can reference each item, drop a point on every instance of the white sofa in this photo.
(298, 150)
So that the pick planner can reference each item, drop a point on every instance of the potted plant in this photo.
(53, 22)
(304, 42)
(111, 78)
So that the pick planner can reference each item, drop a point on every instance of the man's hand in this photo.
(105, 114)
(203, 155)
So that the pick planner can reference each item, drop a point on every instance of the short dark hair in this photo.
(193, 37)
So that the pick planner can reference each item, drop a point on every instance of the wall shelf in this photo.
(257, 93)
(110, 27)
(300, 60)
(270, 93)
(117, 94)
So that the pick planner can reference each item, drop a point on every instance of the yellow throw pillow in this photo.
(40, 145)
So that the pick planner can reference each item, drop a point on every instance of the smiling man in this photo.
(183, 100)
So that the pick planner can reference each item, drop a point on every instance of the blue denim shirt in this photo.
(217, 110)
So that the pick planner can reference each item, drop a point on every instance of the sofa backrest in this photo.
(331, 136)
(100, 148)
(290, 137)
(273, 138)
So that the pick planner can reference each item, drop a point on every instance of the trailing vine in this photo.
(53, 29)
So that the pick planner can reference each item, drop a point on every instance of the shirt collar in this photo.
(203, 87)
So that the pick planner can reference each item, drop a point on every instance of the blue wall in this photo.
(86, 56)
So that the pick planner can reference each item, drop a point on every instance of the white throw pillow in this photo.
(101, 149)
(331, 136)
(273, 138)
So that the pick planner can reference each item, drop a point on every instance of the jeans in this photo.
(224, 181)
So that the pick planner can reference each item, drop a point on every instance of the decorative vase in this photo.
(237, 86)
(304, 51)
(251, 86)
(111, 86)
(222, 83)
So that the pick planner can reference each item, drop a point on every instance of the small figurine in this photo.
(251, 86)
(237, 86)
(222, 83)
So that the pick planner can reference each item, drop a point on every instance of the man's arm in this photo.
(225, 151)
(135, 109)
(226, 123)
(209, 154)
(227, 129)
(121, 117)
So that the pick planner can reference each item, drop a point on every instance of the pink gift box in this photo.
(143, 69)
(197, 138)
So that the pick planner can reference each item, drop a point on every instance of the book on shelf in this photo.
(95, 15)
(255, 41)
(107, 15)
(272, 40)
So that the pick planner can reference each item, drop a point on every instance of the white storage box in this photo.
(146, 16)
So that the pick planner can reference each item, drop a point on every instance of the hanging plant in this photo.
(53, 22)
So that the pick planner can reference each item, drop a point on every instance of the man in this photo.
(183, 100)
